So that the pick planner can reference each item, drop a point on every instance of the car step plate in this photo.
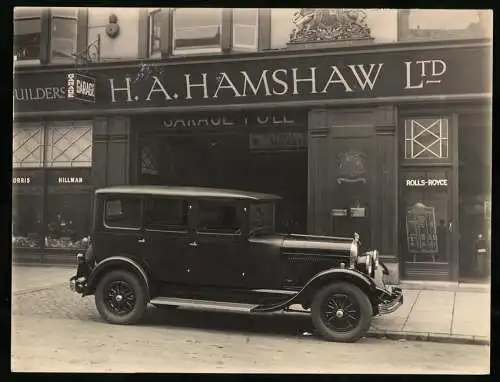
(203, 304)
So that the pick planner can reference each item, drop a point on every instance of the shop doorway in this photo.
(474, 198)
(188, 159)
(233, 160)
(427, 222)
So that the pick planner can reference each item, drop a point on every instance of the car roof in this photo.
(195, 192)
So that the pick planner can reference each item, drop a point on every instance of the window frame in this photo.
(195, 50)
(405, 31)
(255, 204)
(151, 13)
(236, 46)
(146, 204)
(37, 129)
(53, 17)
(121, 197)
(405, 162)
(239, 209)
(31, 61)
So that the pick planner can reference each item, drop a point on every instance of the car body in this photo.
(218, 249)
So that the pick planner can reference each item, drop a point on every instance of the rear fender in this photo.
(113, 263)
(306, 294)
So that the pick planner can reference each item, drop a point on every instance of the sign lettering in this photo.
(426, 182)
(39, 94)
(70, 180)
(21, 180)
(230, 120)
(280, 77)
(437, 69)
(80, 87)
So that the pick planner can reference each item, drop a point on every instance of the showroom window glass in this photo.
(55, 197)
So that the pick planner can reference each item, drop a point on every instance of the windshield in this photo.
(261, 218)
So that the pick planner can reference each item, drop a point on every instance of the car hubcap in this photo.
(120, 297)
(340, 312)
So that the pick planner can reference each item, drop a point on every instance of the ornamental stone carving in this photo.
(313, 24)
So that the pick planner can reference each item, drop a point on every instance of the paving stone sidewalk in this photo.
(442, 316)
(428, 315)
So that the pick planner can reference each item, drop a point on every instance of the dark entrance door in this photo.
(351, 193)
(474, 185)
(426, 223)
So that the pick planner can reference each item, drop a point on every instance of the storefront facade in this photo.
(375, 139)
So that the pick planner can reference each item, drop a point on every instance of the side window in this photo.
(218, 217)
(123, 212)
(167, 214)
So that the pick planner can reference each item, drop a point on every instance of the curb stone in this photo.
(431, 337)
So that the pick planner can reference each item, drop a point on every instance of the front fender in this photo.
(359, 279)
(115, 262)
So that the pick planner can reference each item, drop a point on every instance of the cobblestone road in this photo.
(56, 330)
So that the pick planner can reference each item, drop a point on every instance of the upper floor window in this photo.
(63, 32)
(245, 28)
(434, 24)
(154, 32)
(197, 30)
(27, 33)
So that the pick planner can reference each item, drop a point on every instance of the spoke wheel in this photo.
(341, 312)
(120, 297)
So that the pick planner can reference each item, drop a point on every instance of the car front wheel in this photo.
(341, 312)
(120, 298)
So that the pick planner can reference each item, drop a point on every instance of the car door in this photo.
(118, 233)
(168, 241)
(221, 250)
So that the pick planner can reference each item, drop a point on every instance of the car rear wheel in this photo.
(120, 298)
(341, 312)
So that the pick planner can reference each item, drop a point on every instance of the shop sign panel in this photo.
(259, 79)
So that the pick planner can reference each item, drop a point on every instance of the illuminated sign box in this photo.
(80, 87)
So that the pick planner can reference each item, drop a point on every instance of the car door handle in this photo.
(141, 240)
(193, 244)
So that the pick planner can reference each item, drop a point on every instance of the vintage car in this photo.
(217, 249)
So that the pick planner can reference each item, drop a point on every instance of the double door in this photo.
(195, 243)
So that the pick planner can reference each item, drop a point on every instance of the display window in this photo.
(27, 213)
(68, 205)
(51, 191)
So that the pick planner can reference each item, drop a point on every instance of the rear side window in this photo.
(166, 214)
(122, 212)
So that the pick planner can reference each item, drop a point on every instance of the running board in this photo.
(204, 304)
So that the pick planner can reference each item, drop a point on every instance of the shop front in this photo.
(376, 139)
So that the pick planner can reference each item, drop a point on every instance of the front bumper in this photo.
(390, 298)
(78, 283)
